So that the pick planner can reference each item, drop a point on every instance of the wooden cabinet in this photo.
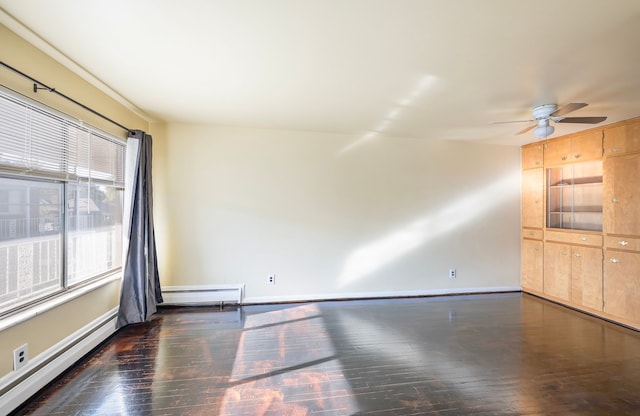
(586, 277)
(533, 198)
(589, 254)
(532, 264)
(557, 152)
(621, 211)
(574, 148)
(573, 274)
(622, 138)
(557, 271)
(532, 156)
(622, 286)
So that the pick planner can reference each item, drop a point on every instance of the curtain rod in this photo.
(37, 85)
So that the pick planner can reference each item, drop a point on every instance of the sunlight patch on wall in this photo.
(424, 84)
(399, 242)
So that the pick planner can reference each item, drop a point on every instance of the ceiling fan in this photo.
(542, 114)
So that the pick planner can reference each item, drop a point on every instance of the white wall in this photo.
(333, 215)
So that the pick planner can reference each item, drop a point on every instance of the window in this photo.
(61, 202)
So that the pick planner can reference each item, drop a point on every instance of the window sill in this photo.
(39, 309)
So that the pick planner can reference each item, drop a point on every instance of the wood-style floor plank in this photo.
(503, 354)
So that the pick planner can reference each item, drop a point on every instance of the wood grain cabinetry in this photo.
(532, 156)
(586, 253)
(533, 198)
(573, 148)
(622, 286)
(621, 224)
(573, 273)
(622, 138)
(621, 211)
(532, 262)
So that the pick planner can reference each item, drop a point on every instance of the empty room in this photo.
(305, 207)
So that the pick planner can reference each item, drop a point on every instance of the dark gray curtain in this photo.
(140, 292)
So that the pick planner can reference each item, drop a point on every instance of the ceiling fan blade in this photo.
(585, 120)
(514, 121)
(568, 108)
(526, 129)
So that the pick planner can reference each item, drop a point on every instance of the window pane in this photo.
(30, 240)
(94, 241)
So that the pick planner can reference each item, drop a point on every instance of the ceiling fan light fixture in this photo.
(544, 130)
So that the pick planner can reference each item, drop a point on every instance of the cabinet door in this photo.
(622, 285)
(532, 263)
(621, 194)
(557, 152)
(532, 198)
(532, 156)
(622, 139)
(585, 147)
(557, 270)
(586, 277)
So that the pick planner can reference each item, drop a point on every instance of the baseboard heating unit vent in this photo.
(203, 295)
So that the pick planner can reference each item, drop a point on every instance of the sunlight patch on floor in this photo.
(286, 364)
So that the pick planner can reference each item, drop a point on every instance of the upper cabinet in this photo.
(532, 156)
(622, 195)
(623, 138)
(574, 148)
(533, 198)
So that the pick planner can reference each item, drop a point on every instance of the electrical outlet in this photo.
(271, 279)
(20, 357)
(452, 273)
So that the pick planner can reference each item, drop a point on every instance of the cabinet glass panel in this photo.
(574, 196)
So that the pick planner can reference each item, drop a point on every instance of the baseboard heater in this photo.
(203, 295)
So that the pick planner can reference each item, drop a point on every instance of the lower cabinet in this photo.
(532, 264)
(573, 275)
(586, 277)
(557, 271)
(622, 286)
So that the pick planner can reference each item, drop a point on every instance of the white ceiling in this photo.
(442, 69)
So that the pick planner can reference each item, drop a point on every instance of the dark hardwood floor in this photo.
(502, 354)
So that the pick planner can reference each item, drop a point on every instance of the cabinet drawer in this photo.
(532, 234)
(622, 243)
(573, 238)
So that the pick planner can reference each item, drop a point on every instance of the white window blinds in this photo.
(40, 142)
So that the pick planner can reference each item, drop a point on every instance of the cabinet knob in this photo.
(565, 157)
(583, 239)
(623, 243)
(537, 163)
(564, 253)
(614, 150)
(578, 156)
(615, 200)
(578, 255)
(614, 260)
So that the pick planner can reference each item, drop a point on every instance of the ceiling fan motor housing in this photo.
(542, 112)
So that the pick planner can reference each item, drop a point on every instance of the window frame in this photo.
(13, 313)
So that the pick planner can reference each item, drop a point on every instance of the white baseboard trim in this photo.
(18, 386)
(202, 295)
(373, 295)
